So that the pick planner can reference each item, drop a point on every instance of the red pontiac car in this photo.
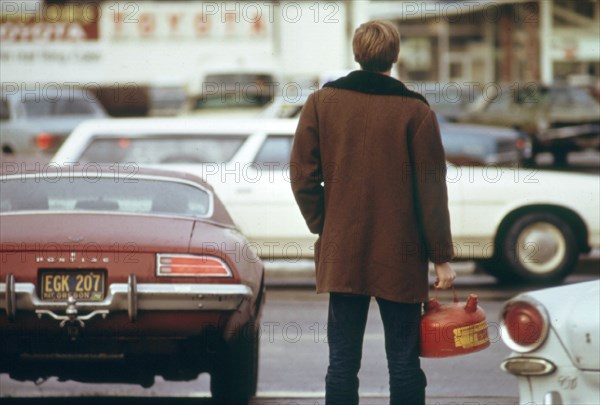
(119, 274)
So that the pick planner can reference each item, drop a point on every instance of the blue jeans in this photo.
(345, 332)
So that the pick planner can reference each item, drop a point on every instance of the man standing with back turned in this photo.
(369, 175)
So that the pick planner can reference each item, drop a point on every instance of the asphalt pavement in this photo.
(293, 363)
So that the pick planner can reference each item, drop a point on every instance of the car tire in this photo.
(537, 248)
(234, 378)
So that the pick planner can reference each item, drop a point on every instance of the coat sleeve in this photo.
(306, 175)
(431, 194)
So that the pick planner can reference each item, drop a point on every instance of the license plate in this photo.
(83, 285)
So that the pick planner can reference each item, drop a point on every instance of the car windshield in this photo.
(239, 90)
(456, 142)
(43, 107)
(160, 149)
(231, 101)
(575, 97)
(529, 96)
(104, 194)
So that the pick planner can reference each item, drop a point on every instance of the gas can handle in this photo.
(435, 296)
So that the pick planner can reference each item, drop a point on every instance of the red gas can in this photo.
(453, 329)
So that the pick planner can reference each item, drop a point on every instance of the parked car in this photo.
(559, 119)
(520, 224)
(123, 274)
(240, 94)
(484, 145)
(463, 143)
(39, 121)
(448, 101)
(554, 336)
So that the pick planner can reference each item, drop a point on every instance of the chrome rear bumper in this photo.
(131, 297)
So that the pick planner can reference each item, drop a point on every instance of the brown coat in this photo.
(369, 175)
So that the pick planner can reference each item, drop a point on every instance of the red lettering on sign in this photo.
(146, 24)
(201, 24)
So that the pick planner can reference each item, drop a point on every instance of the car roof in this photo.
(187, 125)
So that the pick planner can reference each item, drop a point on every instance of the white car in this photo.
(554, 335)
(520, 224)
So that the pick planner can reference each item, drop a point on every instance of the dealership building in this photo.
(128, 51)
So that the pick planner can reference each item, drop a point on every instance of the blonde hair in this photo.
(376, 45)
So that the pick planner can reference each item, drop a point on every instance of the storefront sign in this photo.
(33, 22)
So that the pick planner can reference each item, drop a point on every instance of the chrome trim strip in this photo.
(10, 297)
(132, 308)
(150, 297)
(548, 366)
(552, 398)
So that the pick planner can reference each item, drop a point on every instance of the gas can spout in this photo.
(432, 305)
(471, 305)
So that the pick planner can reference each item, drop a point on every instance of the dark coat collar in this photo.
(374, 83)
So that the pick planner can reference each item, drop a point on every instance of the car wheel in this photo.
(234, 378)
(539, 247)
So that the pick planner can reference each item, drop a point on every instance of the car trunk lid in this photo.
(120, 245)
(102, 232)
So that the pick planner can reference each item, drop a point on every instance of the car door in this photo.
(455, 178)
(263, 205)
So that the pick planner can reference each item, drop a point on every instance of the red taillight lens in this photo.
(525, 326)
(191, 266)
(520, 144)
(45, 140)
(124, 143)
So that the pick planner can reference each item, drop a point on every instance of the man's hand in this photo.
(444, 275)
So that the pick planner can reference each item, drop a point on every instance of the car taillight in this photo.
(172, 265)
(45, 140)
(524, 325)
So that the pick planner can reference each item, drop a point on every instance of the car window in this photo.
(458, 143)
(575, 97)
(167, 148)
(235, 90)
(105, 194)
(75, 106)
(43, 107)
(275, 152)
(4, 111)
(531, 96)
